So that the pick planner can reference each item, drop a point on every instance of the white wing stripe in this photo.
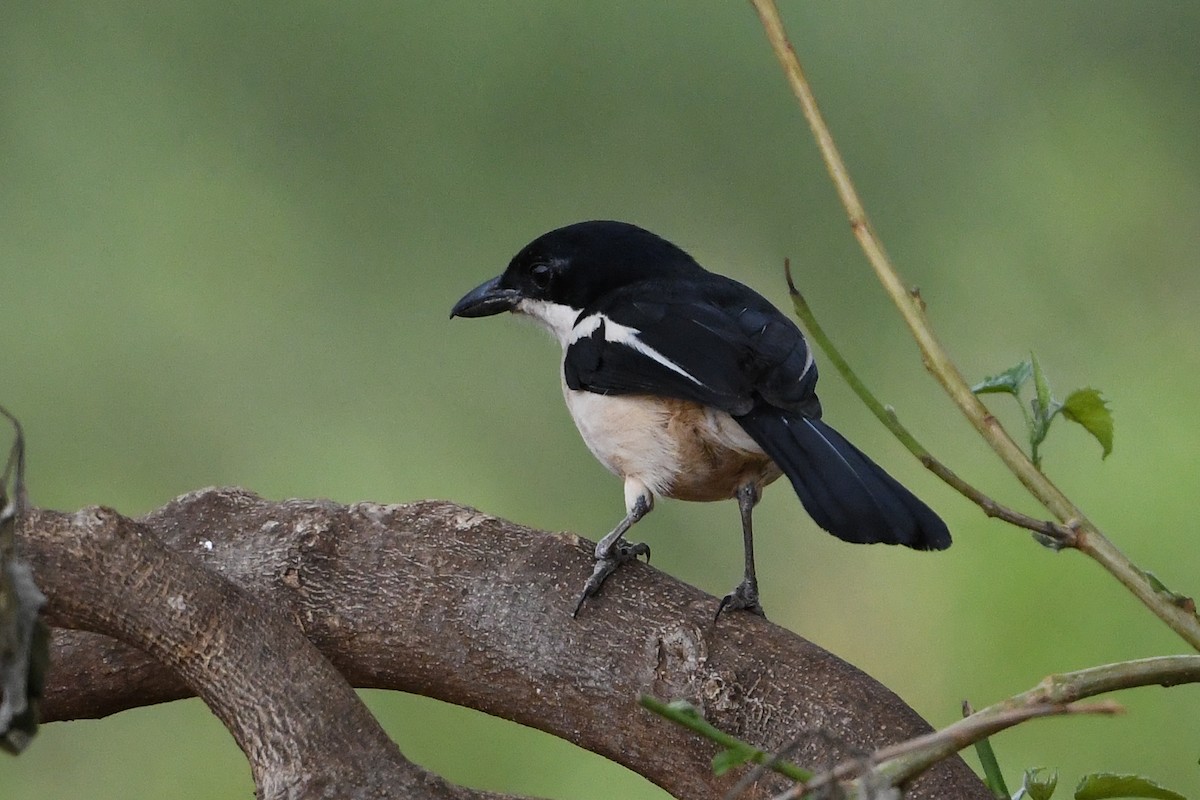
(808, 362)
(623, 334)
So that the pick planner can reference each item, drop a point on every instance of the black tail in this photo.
(844, 492)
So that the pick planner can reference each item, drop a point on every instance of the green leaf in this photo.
(1043, 404)
(1089, 408)
(1040, 787)
(733, 757)
(1041, 386)
(1044, 408)
(1010, 381)
(1101, 785)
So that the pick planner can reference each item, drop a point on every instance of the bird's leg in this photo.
(612, 551)
(745, 595)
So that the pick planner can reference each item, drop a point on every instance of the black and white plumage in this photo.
(690, 385)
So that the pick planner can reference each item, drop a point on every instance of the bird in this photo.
(689, 385)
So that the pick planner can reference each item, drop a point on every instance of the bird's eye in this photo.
(540, 274)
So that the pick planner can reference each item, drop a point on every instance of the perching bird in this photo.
(690, 385)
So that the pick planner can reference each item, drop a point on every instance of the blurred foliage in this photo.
(233, 231)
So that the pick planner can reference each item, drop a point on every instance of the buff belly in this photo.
(650, 439)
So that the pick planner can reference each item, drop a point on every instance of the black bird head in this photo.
(572, 267)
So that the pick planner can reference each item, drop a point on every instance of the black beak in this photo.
(486, 299)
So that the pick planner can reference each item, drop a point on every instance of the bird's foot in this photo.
(607, 563)
(743, 598)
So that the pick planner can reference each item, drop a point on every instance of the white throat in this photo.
(557, 318)
(563, 321)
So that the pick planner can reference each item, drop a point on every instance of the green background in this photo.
(231, 234)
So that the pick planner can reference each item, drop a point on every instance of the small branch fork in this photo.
(1073, 529)
(903, 761)
(896, 765)
(1055, 695)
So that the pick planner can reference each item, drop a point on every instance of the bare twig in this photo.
(1055, 695)
(773, 763)
(685, 714)
(1087, 537)
(906, 759)
(897, 764)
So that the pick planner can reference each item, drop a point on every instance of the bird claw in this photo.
(625, 551)
(620, 553)
(743, 598)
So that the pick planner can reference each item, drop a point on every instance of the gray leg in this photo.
(745, 595)
(612, 551)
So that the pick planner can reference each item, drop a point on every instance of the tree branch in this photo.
(443, 601)
(302, 727)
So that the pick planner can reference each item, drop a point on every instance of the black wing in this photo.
(712, 341)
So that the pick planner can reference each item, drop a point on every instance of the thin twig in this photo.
(1055, 695)
(904, 761)
(786, 752)
(15, 465)
(1087, 537)
(1061, 535)
(752, 775)
(687, 716)
(899, 763)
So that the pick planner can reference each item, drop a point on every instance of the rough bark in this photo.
(236, 598)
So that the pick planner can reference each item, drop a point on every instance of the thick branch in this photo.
(443, 601)
(302, 727)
